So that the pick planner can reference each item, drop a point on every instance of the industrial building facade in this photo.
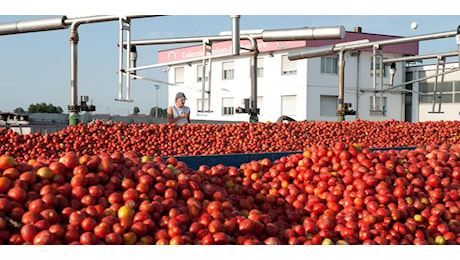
(305, 89)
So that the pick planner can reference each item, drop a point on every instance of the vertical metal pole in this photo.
(374, 76)
(73, 108)
(120, 62)
(382, 70)
(435, 85)
(235, 34)
(128, 53)
(442, 83)
(341, 103)
(357, 82)
(254, 118)
(209, 81)
(203, 76)
(156, 102)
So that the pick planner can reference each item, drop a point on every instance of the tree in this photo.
(136, 111)
(19, 110)
(161, 112)
(44, 108)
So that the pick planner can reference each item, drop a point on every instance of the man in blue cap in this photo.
(179, 113)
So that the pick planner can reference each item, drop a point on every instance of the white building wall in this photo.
(308, 85)
(428, 112)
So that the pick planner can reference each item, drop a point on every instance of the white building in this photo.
(305, 89)
(437, 98)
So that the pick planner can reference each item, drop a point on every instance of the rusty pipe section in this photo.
(36, 25)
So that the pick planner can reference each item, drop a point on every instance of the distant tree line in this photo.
(154, 112)
(40, 108)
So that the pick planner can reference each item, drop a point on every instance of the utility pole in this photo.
(157, 86)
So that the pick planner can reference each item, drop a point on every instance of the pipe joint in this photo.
(74, 38)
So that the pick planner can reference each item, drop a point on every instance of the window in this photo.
(375, 110)
(260, 68)
(450, 92)
(228, 107)
(377, 67)
(288, 105)
(200, 105)
(179, 75)
(329, 64)
(288, 67)
(199, 73)
(260, 104)
(227, 70)
(328, 105)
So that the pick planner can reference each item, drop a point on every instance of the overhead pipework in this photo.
(59, 23)
(318, 33)
(307, 53)
(44, 24)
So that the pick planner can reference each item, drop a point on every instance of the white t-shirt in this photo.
(178, 111)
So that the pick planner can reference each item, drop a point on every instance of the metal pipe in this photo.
(381, 74)
(73, 108)
(442, 81)
(203, 76)
(266, 35)
(209, 81)
(374, 78)
(399, 40)
(253, 109)
(128, 51)
(235, 34)
(341, 103)
(315, 33)
(102, 18)
(435, 87)
(44, 24)
(418, 80)
(120, 62)
(358, 56)
(420, 57)
(311, 52)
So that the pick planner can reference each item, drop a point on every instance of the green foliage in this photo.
(19, 110)
(136, 111)
(161, 112)
(44, 108)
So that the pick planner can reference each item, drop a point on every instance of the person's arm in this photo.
(170, 115)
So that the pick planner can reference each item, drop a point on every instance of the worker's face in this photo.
(180, 102)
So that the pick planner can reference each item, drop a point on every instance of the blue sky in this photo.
(35, 67)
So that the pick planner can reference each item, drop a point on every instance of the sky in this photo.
(35, 67)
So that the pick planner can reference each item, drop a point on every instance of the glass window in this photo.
(179, 75)
(227, 70)
(200, 73)
(375, 109)
(289, 105)
(329, 64)
(228, 106)
(200, 105)
(377, 67)
(288, 67)
(328, 105)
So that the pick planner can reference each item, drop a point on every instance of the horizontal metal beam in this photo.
(318, 33)
(421, 57)
(58, 23)
(308, 52)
